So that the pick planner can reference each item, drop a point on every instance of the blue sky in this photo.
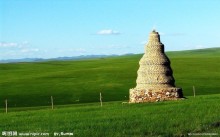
(57, 28)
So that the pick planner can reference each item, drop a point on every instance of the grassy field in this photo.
(114, 119)
(73, 82)
(75, 86)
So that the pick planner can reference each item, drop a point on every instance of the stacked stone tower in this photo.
(155, 80)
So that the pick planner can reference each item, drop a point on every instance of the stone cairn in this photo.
(155, 80)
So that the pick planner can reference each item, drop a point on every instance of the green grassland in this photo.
(75, 86)
(114, 119)
(73, 82)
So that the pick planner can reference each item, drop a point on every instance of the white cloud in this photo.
(21, 53)
(28, 50)
(6, 45)
(9, 50)
(108, 32)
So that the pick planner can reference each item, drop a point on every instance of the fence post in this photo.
(6, 106)
(101, 98)
(194, 91)
(51, 101)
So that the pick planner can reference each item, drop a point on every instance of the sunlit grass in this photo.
(171, 118)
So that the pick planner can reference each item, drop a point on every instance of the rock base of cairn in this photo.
(154, 95)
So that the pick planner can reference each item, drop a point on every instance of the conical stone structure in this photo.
(155, 81)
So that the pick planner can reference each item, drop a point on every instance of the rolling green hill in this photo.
(209, 52)
(69, 82)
